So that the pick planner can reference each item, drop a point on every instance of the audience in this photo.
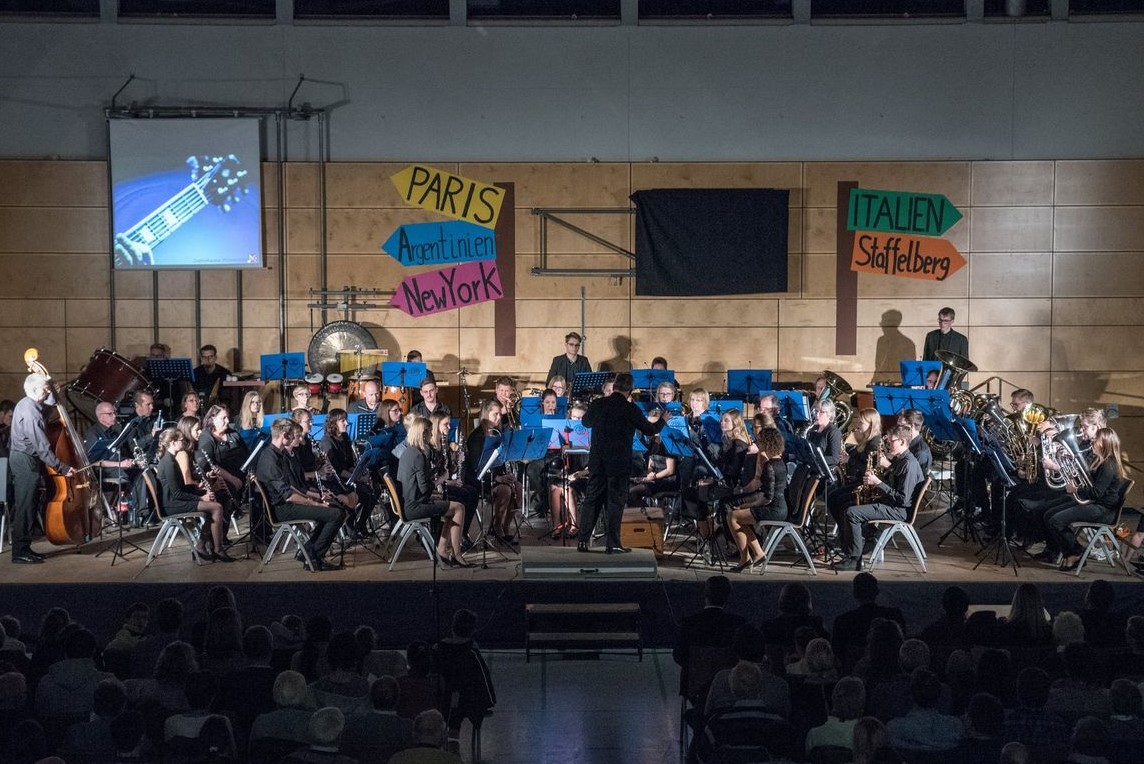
(848, 636)
(429, 738)
(924, 727)
(846, 704)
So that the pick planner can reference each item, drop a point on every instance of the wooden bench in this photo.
(588, 626)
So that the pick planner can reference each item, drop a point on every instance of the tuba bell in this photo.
(839, 390)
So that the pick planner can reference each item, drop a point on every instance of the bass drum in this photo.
(108, 377)
(333, 341)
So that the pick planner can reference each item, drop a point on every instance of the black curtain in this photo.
(711, 241)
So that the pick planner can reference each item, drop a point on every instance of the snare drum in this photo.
(334, 383)
(314, 381)
(107, 377)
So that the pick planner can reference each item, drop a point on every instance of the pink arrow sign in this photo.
(448, 289)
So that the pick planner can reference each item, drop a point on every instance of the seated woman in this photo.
(448, 466)
(567, 478)
(858, 459)
(767, 502)
(1095, 503)
(699, 501)
(416, 479)
(179, 496)
(658, 476)
(190, 405)
(250, 418)
(504, 489)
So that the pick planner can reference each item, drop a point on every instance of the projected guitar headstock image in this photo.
(176, 209)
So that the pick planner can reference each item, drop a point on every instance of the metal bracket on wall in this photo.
(347, 300)
(549, 214)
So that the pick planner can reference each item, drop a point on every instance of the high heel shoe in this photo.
(222, 557)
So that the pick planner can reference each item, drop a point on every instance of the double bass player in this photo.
(31, 451)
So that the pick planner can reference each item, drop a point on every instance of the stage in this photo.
(405, 603)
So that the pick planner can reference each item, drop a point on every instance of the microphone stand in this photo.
(117, 551)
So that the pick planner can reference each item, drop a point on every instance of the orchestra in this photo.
(1025, 470)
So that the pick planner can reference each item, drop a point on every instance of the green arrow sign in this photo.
(900, 212)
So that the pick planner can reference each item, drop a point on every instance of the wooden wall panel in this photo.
(36, 183)
(1104, 311)
(949, 178)
(990, 314)
(1020, 274)
(732, 313)
(1099, 229)
(1112, 182)
(66, 230)
(1098, 274)
(596, 184)
(1012, 184)
(1014, 348)
(1076, 390)
(1011, 229)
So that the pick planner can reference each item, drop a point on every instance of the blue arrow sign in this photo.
(444, 243)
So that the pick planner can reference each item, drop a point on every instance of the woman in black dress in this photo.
(768, 502)
(416, 478)
(179, 497)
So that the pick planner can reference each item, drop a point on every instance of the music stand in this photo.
(651, 379)
(590, 382)
(169, 370)
(524, 446)
(1002, 554)
(966, 429)
(401, 374)
(720, 406)
(283, 367)
(530, 411)
(490, 458)
(362, 424)
(914, 373)
(748, 383)
(113, 449)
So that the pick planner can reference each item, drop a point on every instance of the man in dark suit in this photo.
(712, 626)
(614, 420)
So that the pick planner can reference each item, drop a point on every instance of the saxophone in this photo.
(865, 494)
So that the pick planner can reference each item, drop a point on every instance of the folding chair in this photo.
(801, 493)
(1102, 536)
(405, 528)
(190, 524)
(285, 531)
(904, 528)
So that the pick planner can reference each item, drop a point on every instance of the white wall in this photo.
(929, 91)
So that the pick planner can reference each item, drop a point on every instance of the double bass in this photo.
(67, 515)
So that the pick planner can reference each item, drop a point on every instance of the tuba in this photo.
(839, 390)
(954, 369)
(992, 419)
(1070, 459)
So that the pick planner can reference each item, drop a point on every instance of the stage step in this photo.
(561, 626)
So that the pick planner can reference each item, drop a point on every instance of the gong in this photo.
(334, 341)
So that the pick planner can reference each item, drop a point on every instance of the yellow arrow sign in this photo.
(459, 198)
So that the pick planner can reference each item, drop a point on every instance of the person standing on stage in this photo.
(945, 337)
(614, 420)
(30, 452)
(571, 362)
(207, 378)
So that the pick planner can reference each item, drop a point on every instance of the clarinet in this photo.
(212, 467)
(321, 460)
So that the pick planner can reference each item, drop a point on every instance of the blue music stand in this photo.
(748, 383)
(793, 404)
(361, 423)
(531, 410)
(651, 379)
(561, 428)
(721, 406)
(890, 399)
(914, 373)
(401, 374)
(676, 443)
(282, 366)
(709, 422)
(528, 444)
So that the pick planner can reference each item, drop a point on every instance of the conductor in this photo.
(614, 420)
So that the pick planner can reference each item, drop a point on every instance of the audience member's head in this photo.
(994, 672)
(794, 599)
(869, 738)
(717, 591)
(80, 644)
(258, 644)
(1099, 596)
(326, 727)
(985, 716)
(13, 691)
(290, 690)
(955, 602)
(1124, 697)
(33, 741)
(925, 688)
(1028, 608)
(109, 698)
(224, 632)
(748, 644)
(1067, 628)
(819, 656)
(1033, 687)
(913, 654)
(169, 615)
(802, 637)
(746, 681)
(12, 626)
(1081, 659)
(464, 623)
(883, 641)
(419, 656)
(342, 653)
(1015, 753)
(981, 628)
(1134, 633)
(175, 663)
(1089, 737)
(429, 728)
(366, 639)
(865, 587)
(384, 693)
(848, 699)
(220, 596)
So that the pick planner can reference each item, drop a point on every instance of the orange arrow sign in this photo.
(917, 257)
